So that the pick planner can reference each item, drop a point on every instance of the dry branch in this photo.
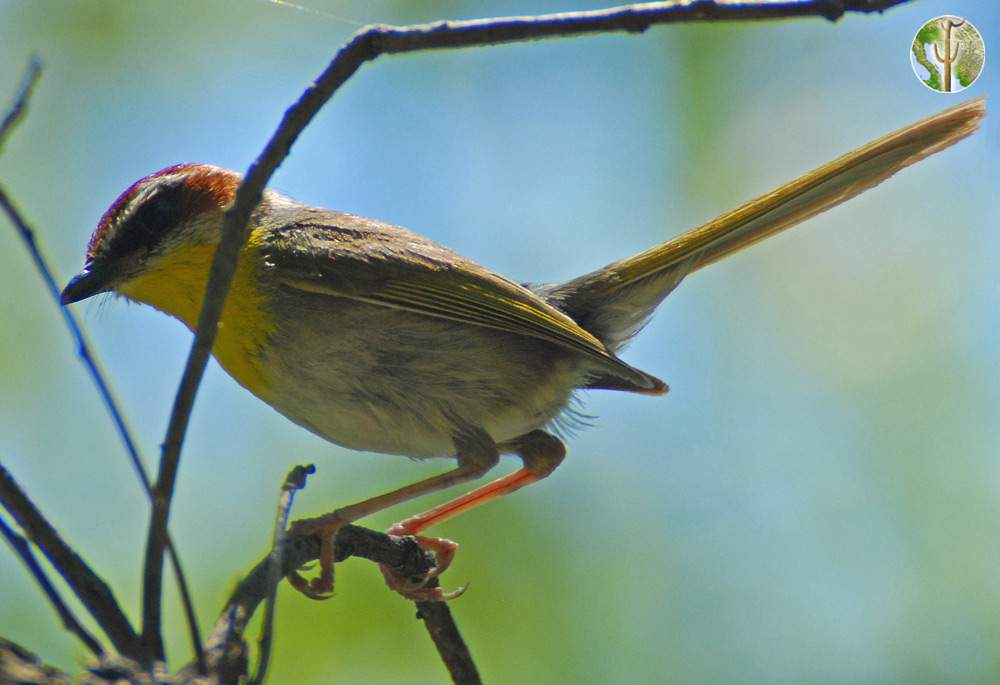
(20, 104)
(226, 649)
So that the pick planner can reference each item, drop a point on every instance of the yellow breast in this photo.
(175, 284)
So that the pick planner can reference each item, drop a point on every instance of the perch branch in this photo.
(226, 651)
(85, 349)
(441, 626)
(366, 45)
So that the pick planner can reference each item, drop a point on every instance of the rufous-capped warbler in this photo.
(378, 339)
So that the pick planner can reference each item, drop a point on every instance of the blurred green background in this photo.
(815, 501)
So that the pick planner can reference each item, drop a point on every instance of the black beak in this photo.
(88, 282)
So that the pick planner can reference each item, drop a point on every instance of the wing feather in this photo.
(365, 260)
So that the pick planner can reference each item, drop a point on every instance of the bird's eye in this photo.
(149, 223)
(157, 212)
(158, 204)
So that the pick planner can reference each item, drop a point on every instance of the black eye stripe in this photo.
(149, 222)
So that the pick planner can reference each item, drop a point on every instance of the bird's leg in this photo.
(477, 454)
(541, 454)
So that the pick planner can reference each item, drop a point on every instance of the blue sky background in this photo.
(815, 500)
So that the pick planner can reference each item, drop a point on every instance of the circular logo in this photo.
(947, 54)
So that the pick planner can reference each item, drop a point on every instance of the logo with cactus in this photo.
(948, 54)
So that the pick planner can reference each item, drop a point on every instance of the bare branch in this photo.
(70, 622)
(85, 349)
(87, 585)
(631, 18)
(20, 104)
(365, 46)
(451, 647)
(226, 650)
(295, 481)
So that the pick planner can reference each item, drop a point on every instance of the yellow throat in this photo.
(175, 284)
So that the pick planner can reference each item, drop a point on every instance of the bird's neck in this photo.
(175, 284)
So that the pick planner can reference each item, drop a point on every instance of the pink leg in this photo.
(476, 456)
(541, 454)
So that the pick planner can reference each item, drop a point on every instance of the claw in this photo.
(304, 585)
(326, 527)
(435, 594)
(416, 588)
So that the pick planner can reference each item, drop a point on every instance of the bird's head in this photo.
(162, 227)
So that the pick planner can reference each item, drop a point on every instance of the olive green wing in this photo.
(347, 256)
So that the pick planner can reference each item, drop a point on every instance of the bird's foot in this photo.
(416, 589)
(326, 528)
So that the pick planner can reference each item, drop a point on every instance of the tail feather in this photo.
(613, 303)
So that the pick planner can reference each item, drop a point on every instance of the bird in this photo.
(378, 339)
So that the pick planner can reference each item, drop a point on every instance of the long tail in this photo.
(614, 302)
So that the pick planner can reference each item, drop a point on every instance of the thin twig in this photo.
(93, 592)
(294, 481)
(365, 46)
(17, 108)
(85, 350)
(629, 18)
(70, 622)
